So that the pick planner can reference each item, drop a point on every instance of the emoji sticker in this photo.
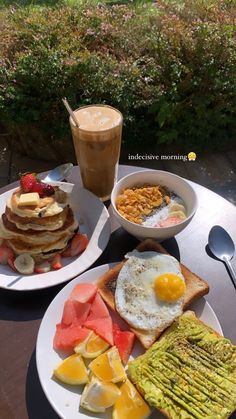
(192, 156)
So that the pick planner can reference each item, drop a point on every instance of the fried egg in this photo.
(150, 290)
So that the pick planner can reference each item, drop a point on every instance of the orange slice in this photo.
(130, 404)
(72, 370)
(92, 346)
(108, 366)
(99, 395)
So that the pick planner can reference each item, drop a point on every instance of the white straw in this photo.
(65, 101)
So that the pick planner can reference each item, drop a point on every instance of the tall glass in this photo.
(97, 143)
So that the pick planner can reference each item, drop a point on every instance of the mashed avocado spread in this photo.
(190, 372)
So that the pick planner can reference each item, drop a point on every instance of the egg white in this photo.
(135, 297)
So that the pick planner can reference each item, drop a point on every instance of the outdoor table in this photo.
(21, 396)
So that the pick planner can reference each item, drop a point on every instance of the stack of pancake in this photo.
(42, 230)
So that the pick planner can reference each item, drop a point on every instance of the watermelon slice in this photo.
(83, 293)
(75, 312)
(66, 338)
(98, 308)
(124, 341)
(99, 320)
(102, 327)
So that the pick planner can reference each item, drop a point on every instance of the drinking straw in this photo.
(65, 101)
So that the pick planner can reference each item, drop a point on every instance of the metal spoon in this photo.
(222, 246)
(58, 173)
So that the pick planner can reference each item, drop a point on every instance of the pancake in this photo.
(51, 223)
(41, 230)
(10, 230)
(46, 207)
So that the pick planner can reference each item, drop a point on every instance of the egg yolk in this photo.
(169, 287)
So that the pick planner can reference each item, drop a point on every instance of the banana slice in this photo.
(24, 264)
(177, 207)
(178, 214)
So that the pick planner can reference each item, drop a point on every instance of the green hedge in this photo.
(168, 66)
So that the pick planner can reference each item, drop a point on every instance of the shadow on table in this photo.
(23, 306)
(37, 404)
(31, 305)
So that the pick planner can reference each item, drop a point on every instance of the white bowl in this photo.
(174, 183)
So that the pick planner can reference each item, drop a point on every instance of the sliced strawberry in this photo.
(124, 341)
(83, 293)
(5, 254)
(75, 312)
(78, 244)
(10, 262)
(56, 262)
(42, 268)
(66, 338)
(67, 252)
(27, 182)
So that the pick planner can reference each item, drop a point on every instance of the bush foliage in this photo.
(169, 66)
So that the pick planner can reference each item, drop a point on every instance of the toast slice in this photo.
(195, 288)
(190, 358)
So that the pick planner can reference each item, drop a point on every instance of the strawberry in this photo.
(48, 189)
(10, 262)
(43, 189)
(5, 254)
(56, 262)
(27, 182)
(67, 252)
(38, 187)
(78, 244)
(42, 268)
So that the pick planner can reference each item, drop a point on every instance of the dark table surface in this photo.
(21, 395)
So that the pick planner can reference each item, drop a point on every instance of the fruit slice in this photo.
(92, 347)
(84, 293)
(72, 370)
(75, 312)
(99, 320)
(102, 327)
(42, 268)
(66, 338)
(56, 262)
(24, 264)
(130, 404)
(78, 244)
(124, 341)
(169, 222)
(5, 254)
(98, 395)
(108, 366)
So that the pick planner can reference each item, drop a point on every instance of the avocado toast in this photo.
(190, 372)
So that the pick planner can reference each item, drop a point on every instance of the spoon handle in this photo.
(231, 271)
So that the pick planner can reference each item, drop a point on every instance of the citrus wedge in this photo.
(99, 395)
(130, 404)
(72, 370)
(108, 366)
(92, 346)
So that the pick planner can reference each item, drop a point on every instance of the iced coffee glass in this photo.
(97, 142)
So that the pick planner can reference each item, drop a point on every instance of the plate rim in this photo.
(72, 275)
(61, 292)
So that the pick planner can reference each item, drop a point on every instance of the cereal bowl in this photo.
(176, 185)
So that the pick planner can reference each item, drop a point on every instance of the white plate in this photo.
(65, 399)
(93, 220)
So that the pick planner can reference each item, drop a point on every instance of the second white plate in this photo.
(93, 219)
(65, 399)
